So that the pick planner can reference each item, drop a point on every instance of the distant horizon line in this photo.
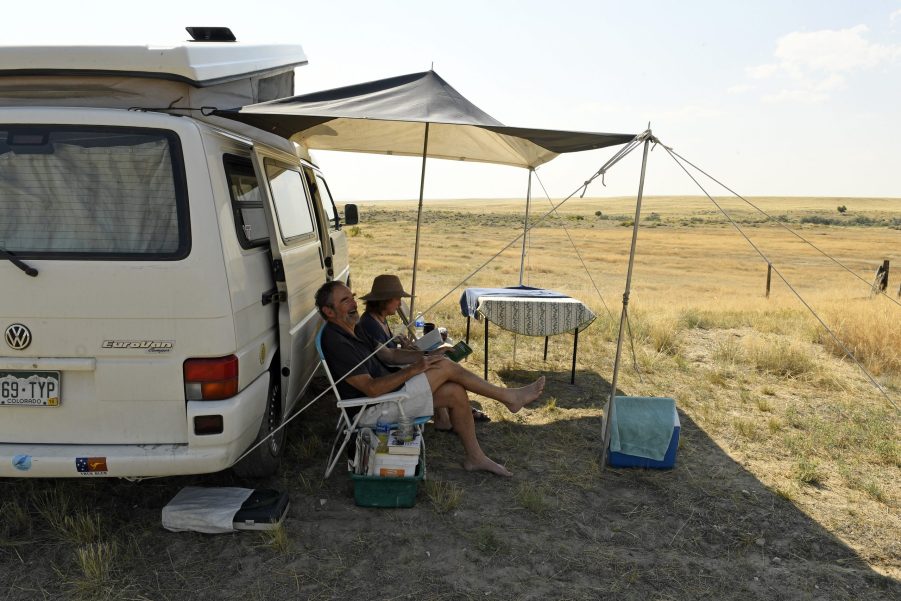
(624, 197)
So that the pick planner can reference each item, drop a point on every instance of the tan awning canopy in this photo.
(388, 116)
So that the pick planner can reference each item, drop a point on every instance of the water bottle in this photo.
(405, 431)
(382, 426)
(419, 326)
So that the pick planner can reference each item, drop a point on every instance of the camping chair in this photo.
(347, 427)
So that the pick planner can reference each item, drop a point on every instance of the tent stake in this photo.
(425, 151)
(608, 408)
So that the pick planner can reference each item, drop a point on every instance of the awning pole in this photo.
(525, 235)
(622, 320)
(425, 150)
(525, 229)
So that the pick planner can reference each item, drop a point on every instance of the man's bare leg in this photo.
(453, 397)
(513, 398)
(442, 419)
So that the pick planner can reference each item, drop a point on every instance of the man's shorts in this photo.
(418, 405)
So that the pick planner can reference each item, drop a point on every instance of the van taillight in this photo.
(211, 379)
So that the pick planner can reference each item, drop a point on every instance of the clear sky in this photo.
(799, 98)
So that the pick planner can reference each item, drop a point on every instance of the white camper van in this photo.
(157, 266)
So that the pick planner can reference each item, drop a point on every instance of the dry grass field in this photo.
(788, 477)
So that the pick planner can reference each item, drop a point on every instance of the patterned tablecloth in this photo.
(536, 316)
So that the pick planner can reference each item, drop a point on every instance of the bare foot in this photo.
(525, 395)
(486, 465)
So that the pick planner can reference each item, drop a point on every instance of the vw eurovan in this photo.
(157, 264)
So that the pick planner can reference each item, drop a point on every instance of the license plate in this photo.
(30, 388)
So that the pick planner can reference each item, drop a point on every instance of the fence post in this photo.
(769, 277)
(880, 283)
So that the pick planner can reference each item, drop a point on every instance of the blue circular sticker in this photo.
(22, 462)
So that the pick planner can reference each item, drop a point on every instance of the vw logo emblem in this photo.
(18, 337)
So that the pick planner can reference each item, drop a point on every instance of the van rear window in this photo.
(86, 192)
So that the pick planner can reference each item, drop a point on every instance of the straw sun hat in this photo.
(385, 287)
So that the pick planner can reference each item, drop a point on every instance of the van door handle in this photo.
(274, 296)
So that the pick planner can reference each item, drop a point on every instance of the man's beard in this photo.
(352, 318)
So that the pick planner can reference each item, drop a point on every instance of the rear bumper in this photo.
(242, 415)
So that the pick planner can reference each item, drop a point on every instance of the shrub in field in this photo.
(707, 319)
(863, 220)
(277, 539)
(16, 519)
(663, 335)
(870, 331)
(445, 496)
(818, 220)
(488, 543)
(809, 472)
(727, 351)
(780, 358)
(749, 430)
(532, 497)
(692, 319)
(96, 562)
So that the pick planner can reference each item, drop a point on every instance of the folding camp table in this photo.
(528, 311)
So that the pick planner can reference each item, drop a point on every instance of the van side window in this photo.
(327, 202)
(91, 192)
(320, 194)
(291, 206)
(247, 201)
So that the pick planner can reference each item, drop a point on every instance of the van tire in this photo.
(264, 460)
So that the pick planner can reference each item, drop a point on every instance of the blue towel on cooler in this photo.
(642, 426)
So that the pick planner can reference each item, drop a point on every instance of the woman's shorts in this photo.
(418, 405)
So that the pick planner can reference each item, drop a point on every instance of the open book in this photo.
(430, 341)
(458, 352)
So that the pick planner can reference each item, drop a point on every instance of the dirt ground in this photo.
(731, 521)
(560, 529)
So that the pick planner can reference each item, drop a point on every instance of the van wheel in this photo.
(264, 460)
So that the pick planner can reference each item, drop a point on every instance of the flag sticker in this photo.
(91, 465)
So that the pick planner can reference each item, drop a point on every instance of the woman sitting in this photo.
(382, 302)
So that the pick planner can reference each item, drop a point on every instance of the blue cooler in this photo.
(622, 459)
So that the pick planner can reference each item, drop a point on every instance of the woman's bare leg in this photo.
(453, 397)
(513, 398)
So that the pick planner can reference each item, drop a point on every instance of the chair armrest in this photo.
(384, 398)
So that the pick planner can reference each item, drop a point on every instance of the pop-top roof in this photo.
(199, 64)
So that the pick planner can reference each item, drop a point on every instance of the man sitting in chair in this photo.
(432, 381)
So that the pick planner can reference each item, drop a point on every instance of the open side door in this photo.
(298, 262)
(337, 262)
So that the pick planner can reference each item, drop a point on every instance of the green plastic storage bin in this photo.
(375, 491)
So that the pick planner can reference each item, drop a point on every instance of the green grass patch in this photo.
(445, 496)
(533, 498)
(780, 358)
(809, 472)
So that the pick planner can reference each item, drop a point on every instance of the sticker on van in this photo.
(91, 465)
